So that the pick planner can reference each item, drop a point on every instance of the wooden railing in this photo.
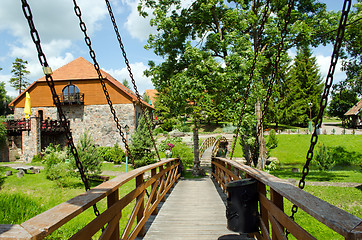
(208, 142)
(18, 125)
(163, 175)
(52, 126)
(72, 98)
(271, 208)
(216, 145)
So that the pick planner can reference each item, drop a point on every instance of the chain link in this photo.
(131, 74)
(324, 98)
(49, 79)
(256, 54)
(274, 74)
(92, 54)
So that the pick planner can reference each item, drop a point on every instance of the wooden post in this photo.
(112, 199)
(162, 179)
(154, 185)
(140, 214)
(277, 199)
(169, 175)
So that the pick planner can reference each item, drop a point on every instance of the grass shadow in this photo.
(344, 157)
(317, 176)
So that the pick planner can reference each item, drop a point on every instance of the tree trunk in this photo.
(196, 170)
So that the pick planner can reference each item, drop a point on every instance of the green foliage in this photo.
(323, 157)
(185, 153)
(55, 167)
(272, 140)
(164, 145)
(17, 208)
(112, 154)
(3, 132)
(36, 158)
(88, 155)
(342, 100)
(126, 84)
(141, 145)
(168, 124)
(158, 130)
(19, 79)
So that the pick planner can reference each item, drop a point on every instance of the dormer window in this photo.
(71, 95)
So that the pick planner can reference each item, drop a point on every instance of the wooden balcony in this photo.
(17, 126)
(72, 99)
(52, 126)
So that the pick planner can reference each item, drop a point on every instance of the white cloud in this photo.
(324, 64)
(138, 68)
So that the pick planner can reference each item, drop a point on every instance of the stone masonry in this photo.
(96, 119)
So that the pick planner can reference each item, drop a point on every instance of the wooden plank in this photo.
(112, 227)
(8, 231)
(338, 220)
(140, 201)
(277, 199)
(296, 230)
(278, 232)
(264, 229)
(112, 199)
(137, 208)
(154, 186)
(263, 210)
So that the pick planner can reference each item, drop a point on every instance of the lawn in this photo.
(24, 198)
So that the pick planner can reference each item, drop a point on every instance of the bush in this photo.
(112, 154)
(3, 133)
(158, 130)
(88, 155)
(164, 144)
(229, 128)
(323, 157)
(36, 158)
(272, 140)
(185, 153)
(168, 124)
(55, 167)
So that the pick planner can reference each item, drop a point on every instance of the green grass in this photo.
(293, 148)
(26, 197)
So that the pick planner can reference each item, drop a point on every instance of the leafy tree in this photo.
(19, 79)
(141, 145)
(208, 48)
(342, 100)
(4, 101)
(353, 47)
(3, 132)
(146, 98)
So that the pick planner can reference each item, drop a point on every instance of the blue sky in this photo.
(62, 40)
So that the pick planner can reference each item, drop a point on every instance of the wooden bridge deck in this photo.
(193, 210)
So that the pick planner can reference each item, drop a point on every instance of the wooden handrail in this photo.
(208, 142)
(271, 210)
(160, 181)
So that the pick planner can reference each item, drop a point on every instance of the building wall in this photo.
(97, 119)
(93, 93)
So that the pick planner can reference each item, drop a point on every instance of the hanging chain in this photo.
(324, 98)
(256, 54)
(100, 77)
(274, 73)
(131, 74)
(49, 79)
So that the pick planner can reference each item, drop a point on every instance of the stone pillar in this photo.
(31, 140)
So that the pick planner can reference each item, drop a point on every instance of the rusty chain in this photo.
(324, 98)
(49, 79)
(111, 15)
(274, 74)
(100, 77)
(256, 54)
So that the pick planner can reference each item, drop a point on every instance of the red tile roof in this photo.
(152, 95)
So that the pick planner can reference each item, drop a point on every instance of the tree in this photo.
(126, 84)
(146, 98)
(19, 79)
(303, 86)
(353, 47)
(208, 48)
(342, 100)
(4, 101)
(141, 145)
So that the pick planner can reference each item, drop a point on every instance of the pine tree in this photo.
(303, 86)
(141, 145)
(19, 79)
(126, 84)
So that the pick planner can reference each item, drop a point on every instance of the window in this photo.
(70, 90)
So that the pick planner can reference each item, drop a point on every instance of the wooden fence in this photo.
(271, 205)
(162, 176)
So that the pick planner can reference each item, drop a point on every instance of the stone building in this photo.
(84, 105)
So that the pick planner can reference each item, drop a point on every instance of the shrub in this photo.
(165, 143)
(185, 153)
(272, 140)
(3, 133)
(36, 158)
(168, 124)
(88, 155)
(55, 167)
(112, 154)
(229, 128)
(158, 130)
(323, 157)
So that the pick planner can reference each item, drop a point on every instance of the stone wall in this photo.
(97, 119)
